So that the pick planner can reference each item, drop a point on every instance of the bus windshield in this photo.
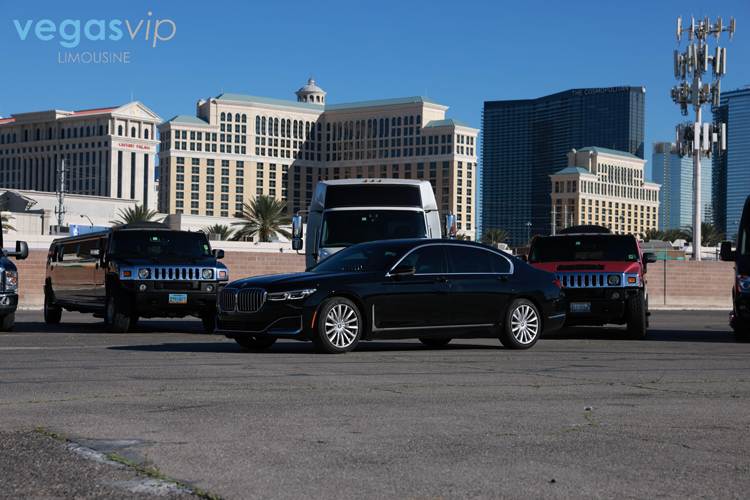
(349, 227)
(584, 247)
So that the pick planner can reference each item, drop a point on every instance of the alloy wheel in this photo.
(524, 324)
(341, 326)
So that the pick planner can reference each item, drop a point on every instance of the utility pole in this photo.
(565, 216)
(554, 220)
(60, 211)
(695, 139)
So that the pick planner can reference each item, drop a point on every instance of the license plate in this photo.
(175, 298)
(580, 307)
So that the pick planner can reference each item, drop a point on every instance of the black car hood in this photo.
(282, 282)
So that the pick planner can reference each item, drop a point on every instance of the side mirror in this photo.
(218, 254)
(403, 271)
(650, 257)
(523, 257)
(726, 253)
(296, 232)
(450, 226)
(95, 252)
(22, 251)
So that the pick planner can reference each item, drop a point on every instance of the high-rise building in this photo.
(731, 175)
(107, 152)
(675, 175)
(240, 146)
(525, 141)
(603, 187)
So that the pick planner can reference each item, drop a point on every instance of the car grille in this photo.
(243, 300)
(593, 280)
(176, 273)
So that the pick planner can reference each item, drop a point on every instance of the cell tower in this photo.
(696, 138)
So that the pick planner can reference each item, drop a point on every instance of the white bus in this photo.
(350, 211)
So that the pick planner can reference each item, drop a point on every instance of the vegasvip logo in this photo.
(70, 32)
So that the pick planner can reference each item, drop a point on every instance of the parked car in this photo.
(739, 317)
(138, 270)
(9, 283)
(603, 275)
(431, 289)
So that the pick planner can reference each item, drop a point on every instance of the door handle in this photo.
(441, 279)
(504, 279)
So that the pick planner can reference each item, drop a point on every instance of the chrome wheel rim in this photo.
(341, 326)
(524, 324)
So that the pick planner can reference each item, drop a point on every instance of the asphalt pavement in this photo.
(585, 413)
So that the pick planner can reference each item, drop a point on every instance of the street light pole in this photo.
(528, 229)
(92, 224)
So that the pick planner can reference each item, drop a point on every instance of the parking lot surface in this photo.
(584, 413)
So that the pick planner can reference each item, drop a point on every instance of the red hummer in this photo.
(602, 275)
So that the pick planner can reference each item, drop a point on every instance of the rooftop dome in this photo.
(311, 93)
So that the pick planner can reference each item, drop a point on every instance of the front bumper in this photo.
(8, 303)
(154, 301)
(740, 316)
(606, 305)
(283, 319)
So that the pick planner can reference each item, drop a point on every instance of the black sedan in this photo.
(433, 290)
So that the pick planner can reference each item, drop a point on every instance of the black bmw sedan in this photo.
(432, 290)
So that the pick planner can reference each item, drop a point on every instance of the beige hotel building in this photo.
(607, 188)
(108, 152)
(238, 147)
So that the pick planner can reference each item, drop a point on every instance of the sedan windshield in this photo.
(367, 257)
(614, 247)
(160, 244)
(350, 227)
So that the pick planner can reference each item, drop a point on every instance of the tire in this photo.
(117, 312)
(523, 325)
(255, 342)
(209, 322)
(435, 342)
(7, 322)
(741, 334)
(52, 313)
(339, 327)
(635, 314)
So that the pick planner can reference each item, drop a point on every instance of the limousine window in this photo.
(426, 260)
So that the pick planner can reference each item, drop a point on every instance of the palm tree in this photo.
(653, 234)
(6, 225)
(224, 231)
(139, 213)
(264, 216)
(674, 234)
(462, 236)
(709, 234)
(494, 236)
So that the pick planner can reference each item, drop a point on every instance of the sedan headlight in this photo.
(144, 274)
(208, 274)
(11, 281)
(294, 295)
(613, 280)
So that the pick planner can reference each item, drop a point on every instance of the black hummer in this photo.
(9, 283)
(138, 270)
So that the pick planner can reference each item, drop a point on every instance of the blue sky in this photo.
(458, 53)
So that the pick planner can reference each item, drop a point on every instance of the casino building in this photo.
(526, 141)
(240, 146)
(109, 152)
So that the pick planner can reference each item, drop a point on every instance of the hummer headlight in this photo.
(613, 280)
(208, 274)
(144, 274)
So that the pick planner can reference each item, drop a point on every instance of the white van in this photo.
(350, 211)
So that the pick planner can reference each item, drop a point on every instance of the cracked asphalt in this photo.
(585, 413)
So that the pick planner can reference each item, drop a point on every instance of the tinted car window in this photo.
(465, 260)
(154, 243)
(426, 260)
(499, 263)
(360, 258)
(584, 247)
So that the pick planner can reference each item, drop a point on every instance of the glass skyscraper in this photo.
(731, 179)
(524, 141)
(675, 175)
